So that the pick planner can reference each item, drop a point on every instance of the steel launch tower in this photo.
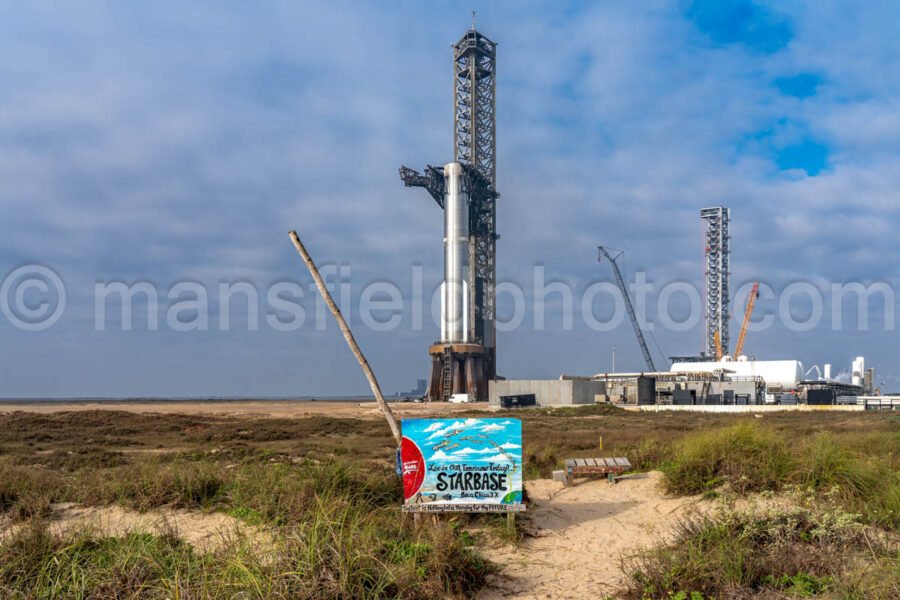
(717, 253)
(464, 359)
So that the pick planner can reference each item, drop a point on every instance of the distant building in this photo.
(419, 391)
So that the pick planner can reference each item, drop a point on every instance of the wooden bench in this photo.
(596, 466)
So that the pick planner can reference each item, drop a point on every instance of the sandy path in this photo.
(579, 534)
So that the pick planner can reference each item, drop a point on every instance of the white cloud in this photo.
(440, 455)
(630, 114)
(498, 458)
(492, 427)
(468, 451)
(442, 431)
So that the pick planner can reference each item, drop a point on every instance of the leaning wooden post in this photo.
(348, 335)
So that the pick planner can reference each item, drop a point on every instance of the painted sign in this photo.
(466, 465)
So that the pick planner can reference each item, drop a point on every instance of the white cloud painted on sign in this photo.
(455, 425)
(498, 458)
(492, 427)
(467, 451)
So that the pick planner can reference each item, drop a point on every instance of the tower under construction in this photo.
(464, 359)
(717, 252)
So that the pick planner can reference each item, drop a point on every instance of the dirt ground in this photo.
(578, 534)
(258, 408)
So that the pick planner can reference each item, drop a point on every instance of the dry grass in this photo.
(337, 529)
(782, 554)
(325, 487)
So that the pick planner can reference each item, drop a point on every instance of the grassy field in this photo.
(325, 489)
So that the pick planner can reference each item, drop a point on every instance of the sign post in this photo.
(462, 465)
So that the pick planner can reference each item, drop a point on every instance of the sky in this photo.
(173, 146)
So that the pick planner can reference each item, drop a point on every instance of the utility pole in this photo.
(348, 336)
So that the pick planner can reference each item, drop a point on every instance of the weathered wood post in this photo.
(348, 335)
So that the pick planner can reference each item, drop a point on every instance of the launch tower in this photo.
(717, 254)
(464, 359)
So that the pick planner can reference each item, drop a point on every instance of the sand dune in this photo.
(206, 531)
(579, 534)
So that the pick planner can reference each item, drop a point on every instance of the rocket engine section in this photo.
(455, 292)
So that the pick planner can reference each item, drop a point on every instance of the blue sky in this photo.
(168, 142)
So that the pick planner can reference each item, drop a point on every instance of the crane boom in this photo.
(751, 301)
(620, 281)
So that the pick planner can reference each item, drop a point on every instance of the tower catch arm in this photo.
(432, 180)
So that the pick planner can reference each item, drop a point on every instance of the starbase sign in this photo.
(464, 465)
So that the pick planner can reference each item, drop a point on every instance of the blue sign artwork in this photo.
(468, 465)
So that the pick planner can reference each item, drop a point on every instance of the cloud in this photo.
(510, 446)
(468, 451)
(440, 455)
(442, 431)
(192, 160)
(492, 427)
(499, 458)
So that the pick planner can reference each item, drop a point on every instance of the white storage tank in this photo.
(857, 371)
(784, 373)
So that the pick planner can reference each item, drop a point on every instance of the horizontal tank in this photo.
(784, 373)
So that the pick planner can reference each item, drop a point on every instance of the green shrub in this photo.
(749, 458)
(745, 456)
(797, 552)
(864, 484)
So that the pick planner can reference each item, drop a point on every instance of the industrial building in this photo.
(631, 388)
(727, 382)
(565, 391)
